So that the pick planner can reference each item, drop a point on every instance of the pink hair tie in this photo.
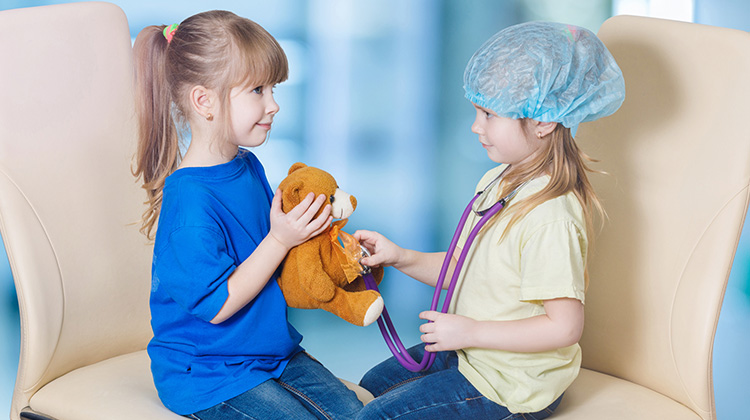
(169, 32)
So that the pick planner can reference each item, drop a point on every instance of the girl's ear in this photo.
(542, 129)
(202, 101)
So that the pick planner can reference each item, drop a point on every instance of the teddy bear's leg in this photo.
(374, 311)
(358, 308)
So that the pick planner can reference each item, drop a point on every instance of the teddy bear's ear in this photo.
(298, 165)
(291, 193)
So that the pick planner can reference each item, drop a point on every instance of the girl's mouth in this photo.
(265, 126)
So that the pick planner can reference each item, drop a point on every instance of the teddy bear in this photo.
(317, 273)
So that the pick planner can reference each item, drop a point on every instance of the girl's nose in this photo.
(476, 127)
(272, 107)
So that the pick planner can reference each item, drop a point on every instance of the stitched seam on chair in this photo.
(711, 411)
(24, 336)
(298, 393)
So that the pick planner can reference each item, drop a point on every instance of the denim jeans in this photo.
(306, 390)
(441, 392)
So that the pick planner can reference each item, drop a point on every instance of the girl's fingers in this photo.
(373, 260)
(302, 207)
(369, 239)
(363, 235)
(427, 328)
(276, 201)
(322, 219)
(322, 227)
(320, 223)
(429, 315)
(312, 209)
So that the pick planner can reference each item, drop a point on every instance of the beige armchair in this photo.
(677, 192)
(68, 208)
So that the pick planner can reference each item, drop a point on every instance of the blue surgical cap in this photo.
(546, 71)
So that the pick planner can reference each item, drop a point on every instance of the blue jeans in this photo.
(306, 390)
(441, 392)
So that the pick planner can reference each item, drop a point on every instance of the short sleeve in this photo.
(193, 268)
(553, 262)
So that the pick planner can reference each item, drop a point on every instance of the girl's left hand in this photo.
(446, 331)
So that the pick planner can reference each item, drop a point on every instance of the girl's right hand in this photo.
(383, 251)
(297, 226)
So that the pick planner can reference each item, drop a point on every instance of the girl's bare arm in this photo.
(561, 326)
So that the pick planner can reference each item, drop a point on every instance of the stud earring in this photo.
(539, 135)
(209, 117)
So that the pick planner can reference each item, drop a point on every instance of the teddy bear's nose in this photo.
(354, 201)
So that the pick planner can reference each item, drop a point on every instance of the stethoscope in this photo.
(385, 324)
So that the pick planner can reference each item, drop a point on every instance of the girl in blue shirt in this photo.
(222, 345)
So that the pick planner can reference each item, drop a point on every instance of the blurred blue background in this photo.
(375, 97)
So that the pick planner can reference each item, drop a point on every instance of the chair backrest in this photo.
(677, 191)
(69, 205)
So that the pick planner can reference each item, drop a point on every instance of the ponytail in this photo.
(158, 152)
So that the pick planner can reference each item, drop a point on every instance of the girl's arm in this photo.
(561, 326)
(287, 230)
(422, 266)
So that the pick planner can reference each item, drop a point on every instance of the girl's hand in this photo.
(383, 252)
(297, 226)
(446, 331)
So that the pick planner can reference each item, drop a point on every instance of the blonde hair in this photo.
(567, 167)
(218, 50)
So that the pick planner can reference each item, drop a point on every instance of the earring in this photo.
(209, 117)
(539, 135)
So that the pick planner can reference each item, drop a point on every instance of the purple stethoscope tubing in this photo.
(384, 322)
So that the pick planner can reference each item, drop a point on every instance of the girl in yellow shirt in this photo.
(508, 346)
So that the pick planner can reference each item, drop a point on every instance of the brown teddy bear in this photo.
(316, 274)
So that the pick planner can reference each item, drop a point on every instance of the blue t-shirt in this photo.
(212, 219)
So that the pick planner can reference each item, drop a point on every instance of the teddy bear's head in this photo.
(303, 179)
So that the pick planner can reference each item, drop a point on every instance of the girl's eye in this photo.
(258, 90)
(487, 114)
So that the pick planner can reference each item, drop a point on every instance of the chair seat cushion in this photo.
(116, 389)
(594, 395)
(122, 388)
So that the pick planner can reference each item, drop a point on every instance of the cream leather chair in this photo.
(678, 158)
(68, 212)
